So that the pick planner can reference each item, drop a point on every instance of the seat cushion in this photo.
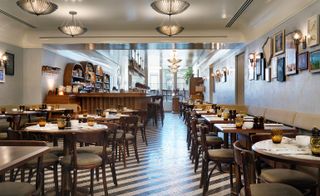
(3, 136)
(48, 159)
(212, 140)
(129, 136)
(57, 150)
(223, 155)
(93, 149)
(16, 189)
(272, 189)
(291, 177)
(84, 160)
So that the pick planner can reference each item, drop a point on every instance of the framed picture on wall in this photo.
(278, 43)
(268, 74)
(315, 61)
(303, 61)
(281, 75)
(291, 55)
(274, 67)
(9, 64)
(267, 50)
(313, 31)
(2, 74)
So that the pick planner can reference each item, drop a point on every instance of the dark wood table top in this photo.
(12, 113)
(230, 128)
(15, 156)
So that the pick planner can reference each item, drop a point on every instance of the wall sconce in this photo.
(298, 38)
(3, 59)
(225, 73)
(252, 57)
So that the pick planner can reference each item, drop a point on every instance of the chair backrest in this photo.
(245, 160)
(281, 116)
(306, 121)
(256, 111)
(22, 143)
(143, 114)
(194, 129)
(203, 131)
(129, 124)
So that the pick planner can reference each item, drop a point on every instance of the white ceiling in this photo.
(134, 21)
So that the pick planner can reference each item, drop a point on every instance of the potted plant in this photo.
(188, 74)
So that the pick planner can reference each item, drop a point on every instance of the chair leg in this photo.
(91, 181)
(30, 175)
(136, 150)
(97, 174)
(196, 163)
(55, 178)
(22, 174)
(231, 176)
(114, 175)
(127, 148)
(204, 179)
(42, 188)
(124, 156)
(75, 181)
(204, 170)
(104, 179)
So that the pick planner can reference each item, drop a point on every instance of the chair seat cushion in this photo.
(272, 189)
(16, 189)
(3, 136)
(48, 159)
(222, 155)
(57, 150)
(291, 177)
(84, 160)
(93, 149)
(129, 136)
(212, 140)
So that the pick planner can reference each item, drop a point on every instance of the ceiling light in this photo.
(170, 7)
(37, 7)
(170, 29)
(174, 60)
(72, 27)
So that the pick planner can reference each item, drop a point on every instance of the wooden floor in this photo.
(164, 169)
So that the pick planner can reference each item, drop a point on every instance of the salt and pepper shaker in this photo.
(68, 121)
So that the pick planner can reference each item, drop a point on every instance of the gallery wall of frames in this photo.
(286, 53)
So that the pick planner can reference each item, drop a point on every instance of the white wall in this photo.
(11, 90)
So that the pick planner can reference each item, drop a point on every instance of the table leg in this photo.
(318, 190)
(225, 140)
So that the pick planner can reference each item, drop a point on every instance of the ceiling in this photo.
(130, 24)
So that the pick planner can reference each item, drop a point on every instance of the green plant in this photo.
(188, 74)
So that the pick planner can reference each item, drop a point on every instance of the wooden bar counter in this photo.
(91, 101)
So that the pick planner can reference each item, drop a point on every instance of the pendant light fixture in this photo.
(174, 60)
(72, 27)
(170, 29)
(170, 7)
(37, 7)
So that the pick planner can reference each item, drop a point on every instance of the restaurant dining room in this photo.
(160, 97)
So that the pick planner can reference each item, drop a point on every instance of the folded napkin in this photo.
(273, 124)
(228, 126)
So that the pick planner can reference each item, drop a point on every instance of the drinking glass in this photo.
(276, 135)
(90, 121)
(239, 122)
(61, 123)
(42, 122)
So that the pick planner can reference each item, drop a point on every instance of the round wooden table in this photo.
(288, 152)
(54, 131)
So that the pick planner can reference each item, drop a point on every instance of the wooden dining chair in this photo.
(217, 156)
(247, 163)
(298, 179)
(23, 188)
(130, 127)
(142, 123)
(97, 148)
(85, 161)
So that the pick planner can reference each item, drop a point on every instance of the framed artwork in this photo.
(315, 61)
(281, 75)
(258, 66)
(274, 67)
(262, 65)
(9, 64)
(267, 51)
(313, 31)
(303, 61)
(251, 71)
(278, 43)
(291, 55)
(268, 74)
(2, 74)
